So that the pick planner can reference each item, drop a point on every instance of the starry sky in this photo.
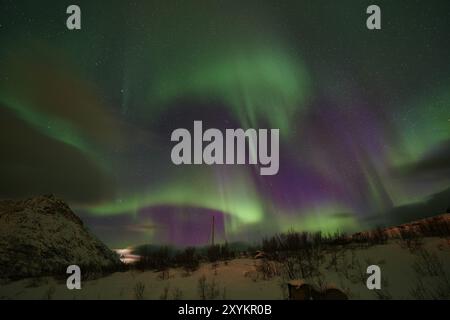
(364, 116)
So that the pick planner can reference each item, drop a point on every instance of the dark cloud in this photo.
(436, 162)
(434, 165)
(144, 227)
(343, 215)
(435, 204)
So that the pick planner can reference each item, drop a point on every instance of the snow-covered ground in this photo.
(239, 278)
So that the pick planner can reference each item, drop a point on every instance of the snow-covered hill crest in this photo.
(42, 236)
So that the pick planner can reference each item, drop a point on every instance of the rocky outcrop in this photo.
(42, 236)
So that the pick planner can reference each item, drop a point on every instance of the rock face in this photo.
(42, 236)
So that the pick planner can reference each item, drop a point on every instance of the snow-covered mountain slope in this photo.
(42, 236)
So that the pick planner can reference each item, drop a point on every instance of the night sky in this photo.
(364, 116)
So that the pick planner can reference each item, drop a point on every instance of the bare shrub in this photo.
(252, 274)
(213, 290)
(335, 254)
(164, 275)
(49, 293)
(383, 293)
(359, 275)
(202, 287)
(432, 280)
(165, 294)
(428, 264)
(177, 294)
(437, 289)
(208, 290)
(268, 269)
(139, 289)
(293, 268)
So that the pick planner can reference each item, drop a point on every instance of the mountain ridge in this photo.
(43, 236)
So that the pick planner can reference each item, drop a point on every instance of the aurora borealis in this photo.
(364, 116)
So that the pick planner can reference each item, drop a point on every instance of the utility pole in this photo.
(212, 231)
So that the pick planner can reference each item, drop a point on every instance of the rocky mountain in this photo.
(42, 236)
